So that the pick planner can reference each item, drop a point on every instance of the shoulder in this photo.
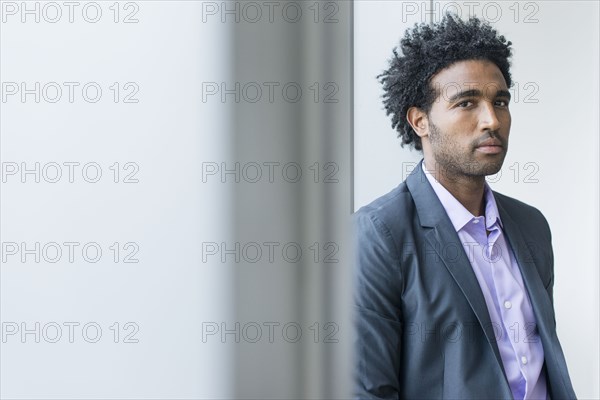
(386, 211)
(529, 218)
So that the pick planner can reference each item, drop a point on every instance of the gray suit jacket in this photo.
(422, 326)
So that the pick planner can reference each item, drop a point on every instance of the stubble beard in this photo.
(454, 162)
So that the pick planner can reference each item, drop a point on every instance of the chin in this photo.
(483, 168)
(491, 168)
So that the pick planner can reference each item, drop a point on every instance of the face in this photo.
(470, 112)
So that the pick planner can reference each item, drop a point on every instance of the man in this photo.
(454, 281)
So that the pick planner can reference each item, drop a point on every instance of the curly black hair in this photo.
(425, 51)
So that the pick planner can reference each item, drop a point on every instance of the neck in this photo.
(468, 190)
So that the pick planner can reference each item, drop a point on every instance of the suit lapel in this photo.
(442, 236)
(540, 301)
(542, 306)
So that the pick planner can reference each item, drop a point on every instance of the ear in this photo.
(417, 119)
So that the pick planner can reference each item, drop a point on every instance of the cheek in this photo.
(504, 114)
(463, 125)
(506, 122)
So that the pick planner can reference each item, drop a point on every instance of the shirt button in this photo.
(507, 304)
(475, 221)
(524, 360)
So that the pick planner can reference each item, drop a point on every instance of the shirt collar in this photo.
(458, 214)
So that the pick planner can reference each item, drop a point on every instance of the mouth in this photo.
(490, 146)
(490, 149)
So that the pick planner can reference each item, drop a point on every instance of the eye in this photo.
(502, 103)
(465, 104)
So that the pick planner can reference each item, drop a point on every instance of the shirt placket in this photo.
(511, 298)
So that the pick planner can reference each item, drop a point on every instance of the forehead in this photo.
(461, 76)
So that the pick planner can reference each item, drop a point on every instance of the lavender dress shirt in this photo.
(505, 295)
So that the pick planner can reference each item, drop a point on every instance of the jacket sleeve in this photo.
(377, 310)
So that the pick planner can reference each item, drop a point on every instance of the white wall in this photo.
(555, 126)
(242, 287)
(168, 134)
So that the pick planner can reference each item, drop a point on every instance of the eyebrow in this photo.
(477, 93)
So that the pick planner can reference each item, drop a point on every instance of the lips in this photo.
(490, 142)
(490, 149)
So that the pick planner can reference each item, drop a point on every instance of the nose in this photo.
(488, 120)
